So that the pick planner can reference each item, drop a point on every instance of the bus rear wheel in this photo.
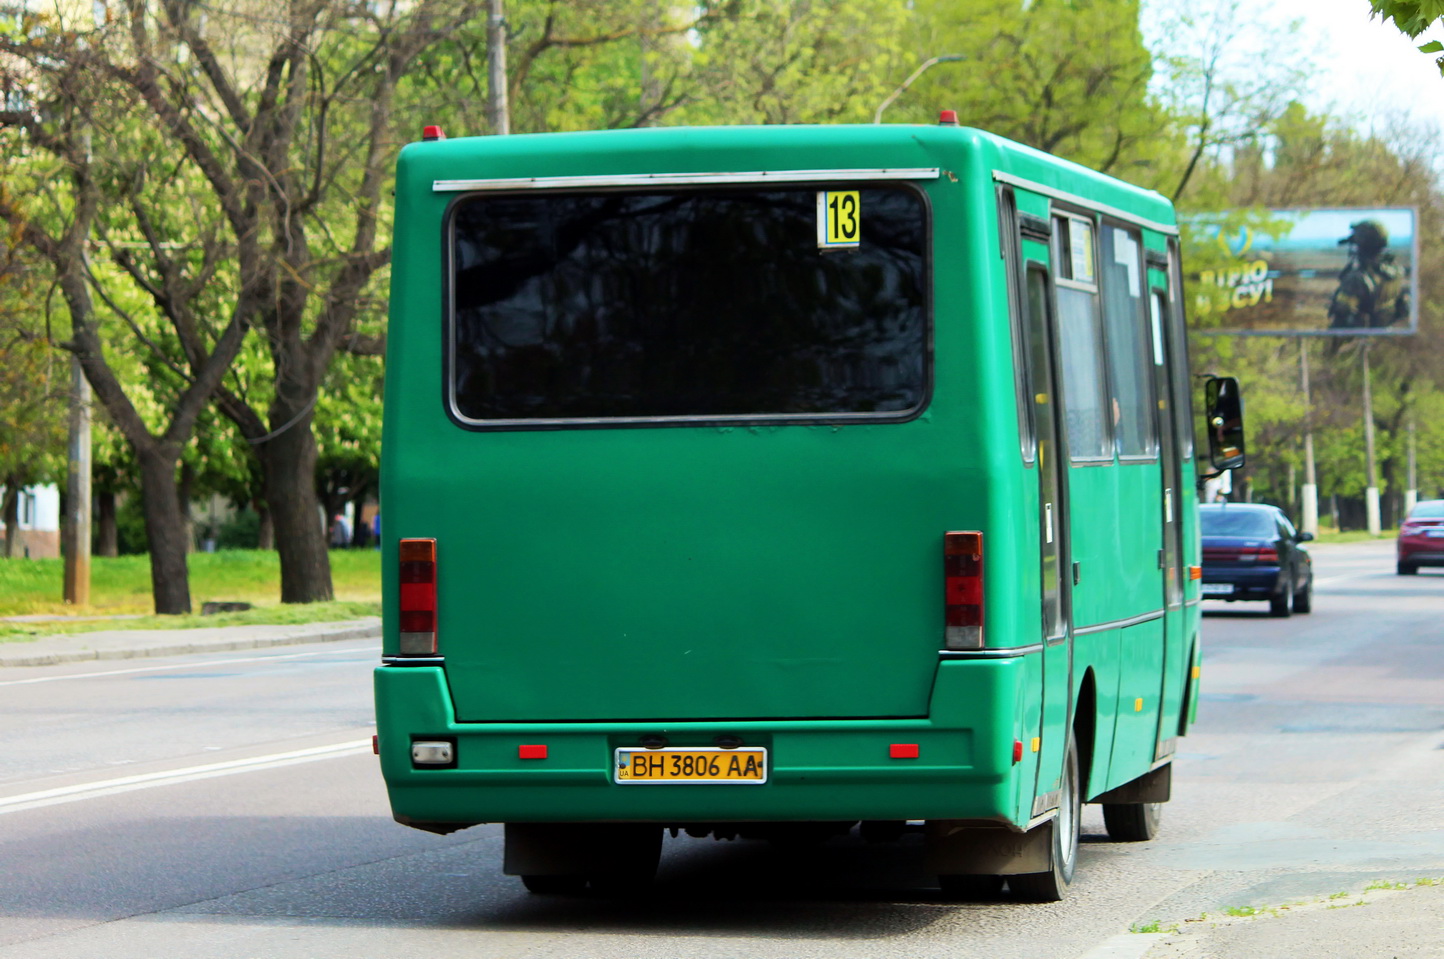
(1050, 886)
(1132, 822)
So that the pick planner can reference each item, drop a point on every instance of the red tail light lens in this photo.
(418, 597)
(1241, 554)
(963, 590)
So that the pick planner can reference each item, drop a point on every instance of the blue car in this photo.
(1252, 552)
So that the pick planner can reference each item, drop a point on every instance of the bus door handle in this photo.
(1077, 573)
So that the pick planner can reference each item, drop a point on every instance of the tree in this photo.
(1221, 82)
(70, 91)
(259, 143)
(33, 386)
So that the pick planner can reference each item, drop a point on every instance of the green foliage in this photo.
(34, 375)
(1413, 17)
(241, 531)
(1068, 78)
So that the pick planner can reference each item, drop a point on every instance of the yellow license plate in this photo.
(680, 764)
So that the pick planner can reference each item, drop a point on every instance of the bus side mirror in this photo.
(1223, 408)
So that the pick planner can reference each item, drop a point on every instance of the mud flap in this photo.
(969, 849)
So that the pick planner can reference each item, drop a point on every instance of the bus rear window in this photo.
(685, 304)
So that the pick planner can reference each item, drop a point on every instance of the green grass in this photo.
(1327, 535)
(1242, 911)
(120, 586)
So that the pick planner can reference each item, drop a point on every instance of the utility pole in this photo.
(498, 112)
(1310, 492)
(76, 533)
(1371, 492)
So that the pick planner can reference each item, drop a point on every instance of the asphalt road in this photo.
(228, 805)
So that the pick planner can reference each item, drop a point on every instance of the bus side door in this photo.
(1030, 274)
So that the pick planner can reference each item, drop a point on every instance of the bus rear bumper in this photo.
(818, 770)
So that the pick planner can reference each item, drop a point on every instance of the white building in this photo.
(38, 514)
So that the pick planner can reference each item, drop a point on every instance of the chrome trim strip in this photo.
(1194, 602)
(684, 179)
(1037, 821)
(1168, 229)
(1118, 623)
(990, 653)
(413, 660)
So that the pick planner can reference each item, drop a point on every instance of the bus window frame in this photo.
(1178, 357)
(448, 318)
(1014, 272)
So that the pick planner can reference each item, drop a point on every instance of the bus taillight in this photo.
(418, 597)
(963, 590)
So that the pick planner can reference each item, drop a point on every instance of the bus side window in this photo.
(1129, 372)
(1087, 406)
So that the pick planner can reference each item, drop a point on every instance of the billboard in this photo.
(1319, 272)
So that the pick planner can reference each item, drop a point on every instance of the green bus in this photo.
(772, 482)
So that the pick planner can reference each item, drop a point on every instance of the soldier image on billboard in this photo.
(1373, 288)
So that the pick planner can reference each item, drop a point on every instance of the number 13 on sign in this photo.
(839, 218)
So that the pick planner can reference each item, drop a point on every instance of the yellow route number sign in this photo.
(839, 219)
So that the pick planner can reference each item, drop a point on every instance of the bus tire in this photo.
(1050, 886)
(1132, 822)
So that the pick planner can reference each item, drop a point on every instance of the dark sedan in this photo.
(1252, 552)
(1421, 537)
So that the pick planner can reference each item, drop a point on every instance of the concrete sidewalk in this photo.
(1376, 924)
(133, 643)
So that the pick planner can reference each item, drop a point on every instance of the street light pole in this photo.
(923, 68)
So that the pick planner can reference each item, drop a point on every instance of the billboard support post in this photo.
(1371, 493)
(1411, 495)
(1310, 492)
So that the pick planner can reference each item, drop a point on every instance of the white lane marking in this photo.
(109, 787)
(1127, 945)
(151, 669)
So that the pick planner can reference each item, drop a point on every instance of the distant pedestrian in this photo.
(340, 532)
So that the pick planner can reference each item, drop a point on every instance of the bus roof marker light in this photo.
(963, 590)
(948, 118)
(417, 605)
(432, 132)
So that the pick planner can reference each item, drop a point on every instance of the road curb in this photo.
(146, 644)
